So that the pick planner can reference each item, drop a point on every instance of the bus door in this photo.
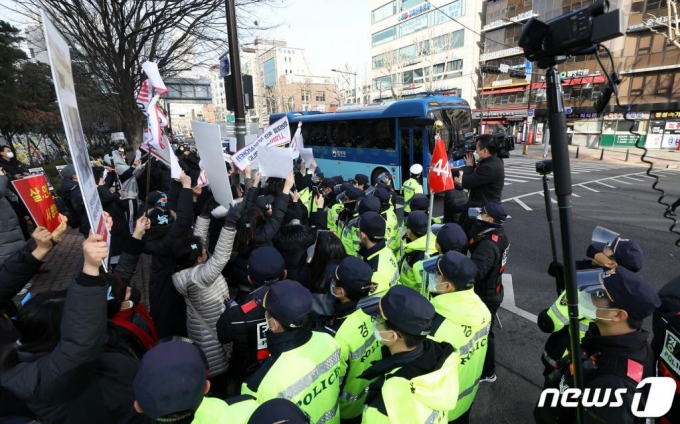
(412, 133)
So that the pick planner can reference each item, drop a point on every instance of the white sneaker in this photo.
(489, 379)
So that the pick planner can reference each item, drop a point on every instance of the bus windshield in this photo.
(457, 122)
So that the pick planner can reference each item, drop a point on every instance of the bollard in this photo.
(602, 154)
(627, 152)
(577, 149)
(525, 151)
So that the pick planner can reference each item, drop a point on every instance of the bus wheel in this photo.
(377, 172)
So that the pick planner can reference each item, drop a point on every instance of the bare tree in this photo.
(393, 65)
(433, 51)
(111, 39)
(672, 24)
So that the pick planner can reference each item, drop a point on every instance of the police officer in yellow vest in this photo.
(296, 353)
(417, 379)
(348, 211)
(449, 237)
(353, 330)
(376, 253)
(387, 212)
(414, 250)
(419, 202)
(361, 182)
(350, 235)
(461, 319)
(555, 320)
(412, 186)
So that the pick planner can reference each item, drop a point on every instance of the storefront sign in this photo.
(504, 22)
(574, 74)
(413, 25)
(499, 114)
(414, 12)
(621, 116)
(666, 115)
(589, 115)
(501, 82)
(655, 134)
(649, 23)
(513, 51)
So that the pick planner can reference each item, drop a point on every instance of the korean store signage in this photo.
(665, 115)
(513, 51)
(503, 22)
(415, 11)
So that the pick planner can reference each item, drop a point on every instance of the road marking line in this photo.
(509, 300)
(575, 195)
(515, 181)
(606, 185)
(587, 188)
(507, 183)
(634, 179)
(522, 204)
(622, 182)
(551, 199)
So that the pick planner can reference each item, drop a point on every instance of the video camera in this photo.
(468, 145)
(549, 43)
(544, 167)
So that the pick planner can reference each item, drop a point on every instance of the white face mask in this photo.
(377, 333)
(476, 156)
(10, 155)
(433, 283)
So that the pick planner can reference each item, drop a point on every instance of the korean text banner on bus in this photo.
(60, 60)
(277, 134)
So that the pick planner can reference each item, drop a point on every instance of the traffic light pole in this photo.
(236, 80)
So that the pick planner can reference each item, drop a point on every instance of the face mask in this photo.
(10, 155)
(432, 283)
(476, 156)
(377, 335)
(333, 293)
(588, 309)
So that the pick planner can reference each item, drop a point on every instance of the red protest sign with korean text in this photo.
(35, 193)
(440, 178)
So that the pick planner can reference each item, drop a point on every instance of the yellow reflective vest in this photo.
(463, 321)
(408, 276)
(422, 399)
(308, 376)
(358, 349)
(409, 188)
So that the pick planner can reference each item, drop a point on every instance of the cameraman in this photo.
(485, 180)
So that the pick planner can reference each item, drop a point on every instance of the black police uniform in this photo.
(610, 362)
(488, 249)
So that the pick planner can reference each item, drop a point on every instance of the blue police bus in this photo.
(374, 139)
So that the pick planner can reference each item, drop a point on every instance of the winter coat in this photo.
(120, 231)
(485, 181)
(70, 192)
(205, 290)
(167, 305)
(13, 167)
(130, 185)
(292, 241)
(238, 266)
(77, 381)
(11, 237)
(455, 204)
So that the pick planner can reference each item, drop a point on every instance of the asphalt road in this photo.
(614, 196)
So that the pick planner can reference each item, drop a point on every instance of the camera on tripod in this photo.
(570, 34)
(544, 167)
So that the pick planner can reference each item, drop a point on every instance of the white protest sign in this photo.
(275, 162)
(60, 61)
(209, 144)
(277, 134)
(296, 143)
(307, 156)
(164, 153)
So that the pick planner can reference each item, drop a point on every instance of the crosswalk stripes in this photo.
(524, 172)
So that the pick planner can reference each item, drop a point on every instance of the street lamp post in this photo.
(355, 81)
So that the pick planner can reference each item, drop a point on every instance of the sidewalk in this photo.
(63, 261)
(661, 158)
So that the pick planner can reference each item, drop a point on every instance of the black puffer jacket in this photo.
(167, 305)
(78, 381)
(485, 181)
(455, 204)
(292, 241)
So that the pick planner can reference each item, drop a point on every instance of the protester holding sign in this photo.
(11, 238)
